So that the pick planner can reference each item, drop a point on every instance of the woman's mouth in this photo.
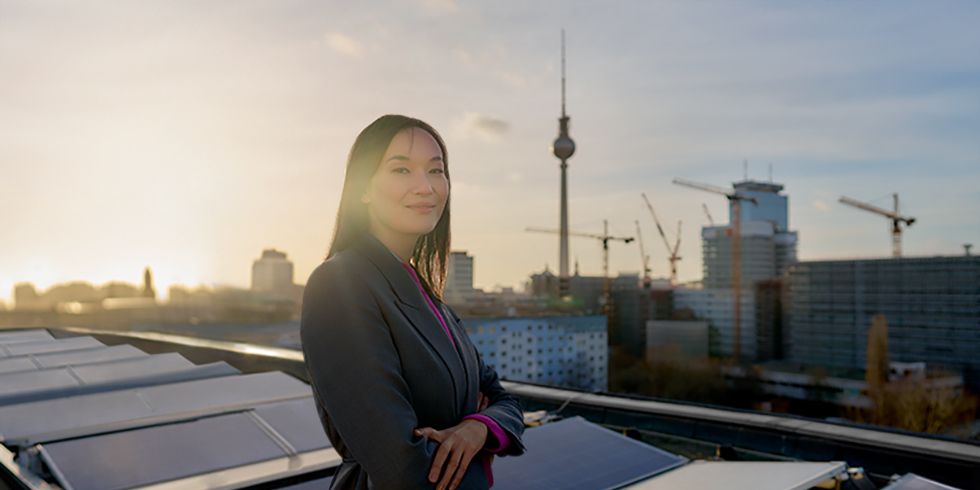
(422, 208)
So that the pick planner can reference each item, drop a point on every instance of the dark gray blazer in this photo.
(381, 365)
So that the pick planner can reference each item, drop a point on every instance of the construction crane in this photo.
(644, 258)
(735, 200)
(671, 251)
(605, 238)
(896, 220)
(707, 213)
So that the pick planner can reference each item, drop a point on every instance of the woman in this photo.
(401, 391)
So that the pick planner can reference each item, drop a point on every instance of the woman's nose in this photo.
(423, 186)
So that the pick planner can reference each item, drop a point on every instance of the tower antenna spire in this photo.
(563, 73)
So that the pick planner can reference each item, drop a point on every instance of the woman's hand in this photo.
(457, 446)
(463, 440)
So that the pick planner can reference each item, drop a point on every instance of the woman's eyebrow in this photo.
(404, 158)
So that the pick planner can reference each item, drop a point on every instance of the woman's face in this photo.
(408, 191)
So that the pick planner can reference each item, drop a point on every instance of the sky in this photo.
(189, 136)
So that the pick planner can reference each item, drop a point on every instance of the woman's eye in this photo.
(400, 170)
(438, 171)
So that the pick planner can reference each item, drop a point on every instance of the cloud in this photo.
(344, 44)
(448, 6)
(478, 126)
(512, 79)
(463, 56)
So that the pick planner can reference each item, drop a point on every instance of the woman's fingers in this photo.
(452, 463)
(457, 447)
(461, 470)
(442, 454)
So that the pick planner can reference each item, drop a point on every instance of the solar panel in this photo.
(28, 423)
(574, 453)
(200, 447)
(911, 481)
(32, 362)
(314, 484)
(88, 356)
(24, 336)
(43, 346)
(70, 381)
(298, 423)
(161, 453)
(746, 475)
(15, 364)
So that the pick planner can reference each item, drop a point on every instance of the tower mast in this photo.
(563, 148)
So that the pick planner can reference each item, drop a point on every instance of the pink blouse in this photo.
(499, 441)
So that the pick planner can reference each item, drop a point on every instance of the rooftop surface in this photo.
(83, 408)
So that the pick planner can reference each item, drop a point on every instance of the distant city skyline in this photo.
(131, 137)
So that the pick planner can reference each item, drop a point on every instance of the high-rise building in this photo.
(459, 277)
(716, 305)
(767, 249)
(272, 275)
(767, 245)
(931, 304)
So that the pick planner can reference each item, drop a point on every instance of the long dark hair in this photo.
(432, 250)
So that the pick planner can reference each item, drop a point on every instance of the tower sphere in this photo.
(563, 148)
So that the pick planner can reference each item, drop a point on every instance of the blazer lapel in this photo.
(413, 306)
(471, 365)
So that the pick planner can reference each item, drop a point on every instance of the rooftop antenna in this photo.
(967, 247)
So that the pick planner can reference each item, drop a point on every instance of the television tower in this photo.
(563, 148)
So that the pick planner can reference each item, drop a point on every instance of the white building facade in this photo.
(564, 351)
